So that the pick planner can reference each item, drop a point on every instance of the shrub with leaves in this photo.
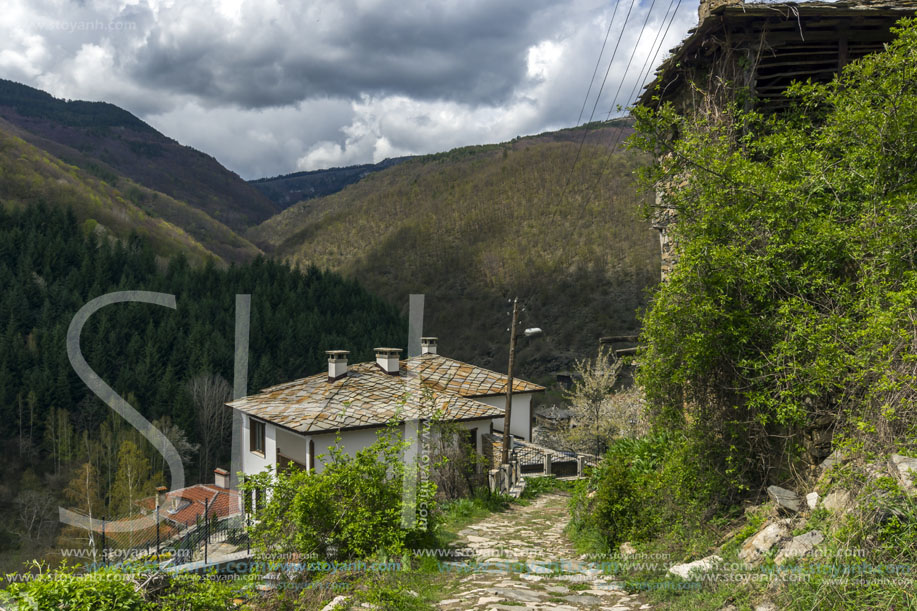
(117, 589)
(793, 301)
(351, 509)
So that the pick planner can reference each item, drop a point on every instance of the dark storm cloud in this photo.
(273, 86)
(473, 53)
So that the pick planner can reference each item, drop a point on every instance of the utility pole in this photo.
(509, 383)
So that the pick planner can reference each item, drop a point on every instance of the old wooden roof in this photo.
(793, 41)
(426, 386)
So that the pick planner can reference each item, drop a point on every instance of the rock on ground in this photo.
(702, 565)
(812, 500)
(757, 546)
(906, 468)
(837, 500)
(799, 546)
(787, 499)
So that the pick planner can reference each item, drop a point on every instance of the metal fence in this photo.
(209, 532)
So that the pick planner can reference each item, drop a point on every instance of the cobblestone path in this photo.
(523, 560)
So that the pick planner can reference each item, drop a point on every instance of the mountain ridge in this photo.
(111, 135)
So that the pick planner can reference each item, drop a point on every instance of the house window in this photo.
(256, 443)
(311, 456)
(473, 440)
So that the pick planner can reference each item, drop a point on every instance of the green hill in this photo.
(99, 135)
(478, 225)
(30, 176)
(26, 166)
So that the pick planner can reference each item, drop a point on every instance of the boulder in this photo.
(799, 546)
(766, 606)
(837, 500)
(786, 499)
(812, 500)
(758, 545)
(705, 564)
(904, 468)
(339, 602)
(835, 458)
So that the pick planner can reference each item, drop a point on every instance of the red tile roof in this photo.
(222, 503)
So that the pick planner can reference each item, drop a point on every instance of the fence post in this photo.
(580, 464)
(103, 541)
(206, 527)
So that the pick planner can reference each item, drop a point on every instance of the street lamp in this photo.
(507, 416)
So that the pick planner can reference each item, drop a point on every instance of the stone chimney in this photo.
(337, 364)
(428, 345)
(161, 496)
(387, 359)
(221, 478)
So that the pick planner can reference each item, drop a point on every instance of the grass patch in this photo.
(535, 486)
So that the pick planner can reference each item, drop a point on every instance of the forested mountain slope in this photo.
(52, 426)
(289, 189)
(101, 134)
(30, 176)
(476, 226)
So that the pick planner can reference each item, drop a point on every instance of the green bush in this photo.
(792, 299)
(644, 486)
(351, 509)
(539, 485)
(115, 589)
(63, 589)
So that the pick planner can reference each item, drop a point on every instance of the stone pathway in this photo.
(522, 559)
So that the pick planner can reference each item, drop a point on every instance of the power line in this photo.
(598, 62)
(598, 95)
(632, 55)
(647, 67)
(617, 93)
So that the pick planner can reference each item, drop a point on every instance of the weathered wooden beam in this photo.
(774, 38)
(614, 339)
(824, 61)
(779, 75)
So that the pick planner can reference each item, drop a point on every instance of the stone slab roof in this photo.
(449, 375)
(873, 17)
(427, 385)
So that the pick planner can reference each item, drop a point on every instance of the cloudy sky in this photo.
(276, 86)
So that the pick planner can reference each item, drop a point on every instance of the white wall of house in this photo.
(296, 446)
(293, 445)
(253, 462)
(523, 411)
(352, 441)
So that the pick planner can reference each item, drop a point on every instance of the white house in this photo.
(296, 422)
